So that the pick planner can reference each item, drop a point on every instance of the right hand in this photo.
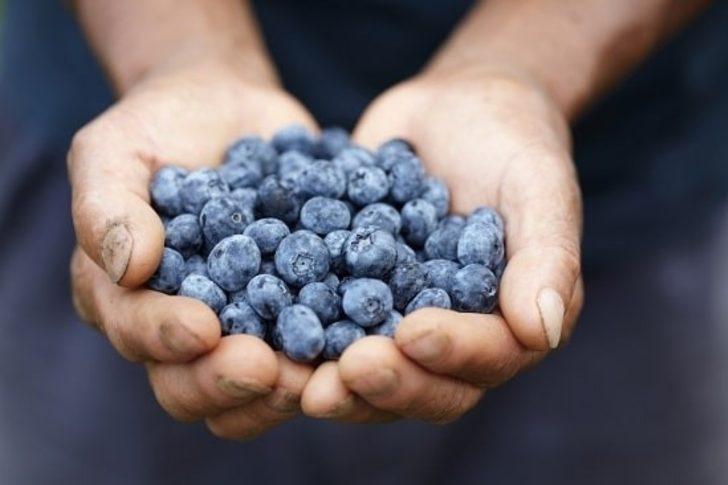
(184, 115)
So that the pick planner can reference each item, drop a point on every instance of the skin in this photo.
(489, 114)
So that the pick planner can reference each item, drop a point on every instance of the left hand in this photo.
(497, 139)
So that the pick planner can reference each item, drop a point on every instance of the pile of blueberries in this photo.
(311, 242)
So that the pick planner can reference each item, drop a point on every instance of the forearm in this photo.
(575, 49)
(132, 37)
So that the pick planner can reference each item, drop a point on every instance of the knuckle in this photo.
(173, 407)
(453, 405)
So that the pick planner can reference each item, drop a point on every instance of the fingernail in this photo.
(377, 382)
(283, 401)
(551, 308)
(427, 347)
(241, 389)
(179, 339)
(116, 251)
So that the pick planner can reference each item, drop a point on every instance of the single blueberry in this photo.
(290, 167)
(170, 272)
(452, 220)
(370, 252)
(442, 243)
(300, 333)
(388, 327)
(256, 150)
(436, 193)
(222, 217)
(323, 300)
(419, 220)
(323, 215)
(474, 289)
(367, 185)
(196, 264)
(406, 281)
(268, 295)
(406, 178)
(352, 158)
(339, 336)
(240, 176)
(302, 258)
(166, 191)
(277, 201)
(183, 233)
(240, 318)
(246, 196)
(332, 281)
(429, 297)
(200, 186)
(379, 215)
(441, 272)
(367, 301)
(332, 141)
(486, 215)
(481, 244)
(335, 242)
(203, 289)
(294, 137)
(233, 262)
(395, 146)
(267, 233)
(322, 178)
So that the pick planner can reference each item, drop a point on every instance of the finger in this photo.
(240, 369)
(326, 397)
(281, 404)
(142, 324)
(479, 349)
(377, 371)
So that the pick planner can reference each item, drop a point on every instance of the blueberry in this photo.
(436, 193)
(395, 146)
(405, 254)
(499, 269)
(275, 200)
(268, 266)
(166, 190)
(268, 295)
(443, 242)
(352, 158)
(302, 258)
(367, 301)
(452, 220)
(367, 185)
(379, 215)
(335, 242)
(323, 215)
(429, 297)
(370, 252)
(419, 220)
(323, 300)
(223, 217)
(388, 327)
(406, 281)
(294, 137)
(406, 177)
(481, 244)
(233, 262)
(440, 272)
(246, 196)
(486, 215)
(183, 234)
(196, 264)
(332, 142)
(203, 289)
(290, 167)
(170, 272)
(474, 289)
(240, 318)
(300, 333)
(240, 176)
(239, 296)
(339, 336)
(344, 284)
(322, 178)
(253, 149)
(332, 281)
(200, 186)
(267, 234)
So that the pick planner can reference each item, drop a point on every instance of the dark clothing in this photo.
(638, 396)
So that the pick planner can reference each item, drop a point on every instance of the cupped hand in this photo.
(498, 140)
(184, 115)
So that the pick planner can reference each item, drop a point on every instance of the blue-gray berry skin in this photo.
(435, 191)
(332, 141)
(246, 196)
(380, 215)
(499, 269)
(323, 300)
(481, 244)
(233, 262)
(419, 220)
(322, 178)
(332, 281)
(406, 281)
(267, 234)
(474, 289)
(200, 186)
(367, 301)
(335, 242)
(323, 215)
(367, 185)
(268, 266)
(166, 190)
(196, 264)
(170, 272)
(429, 297)
(302, 258)
(240, 318)
(406, 178)
(203, 289)
(370, 252)
(294, 137)
(452, 220)
(344, 284)
(339, 336)
(290, 167)
(222, 217)
(251, 150)
(441, 272)
(420, 256)
(405, 254)
(388, 327)
(442, 243)
(299, 333)
(268, 295)
(239, 296)
(352, 158)
(395, 146)
(277, 201)
(183, 234)
(486, 215)
(239, 176)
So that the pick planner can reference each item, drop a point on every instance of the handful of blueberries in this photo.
(313, 242)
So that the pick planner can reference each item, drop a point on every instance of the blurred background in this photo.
(638, 396)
